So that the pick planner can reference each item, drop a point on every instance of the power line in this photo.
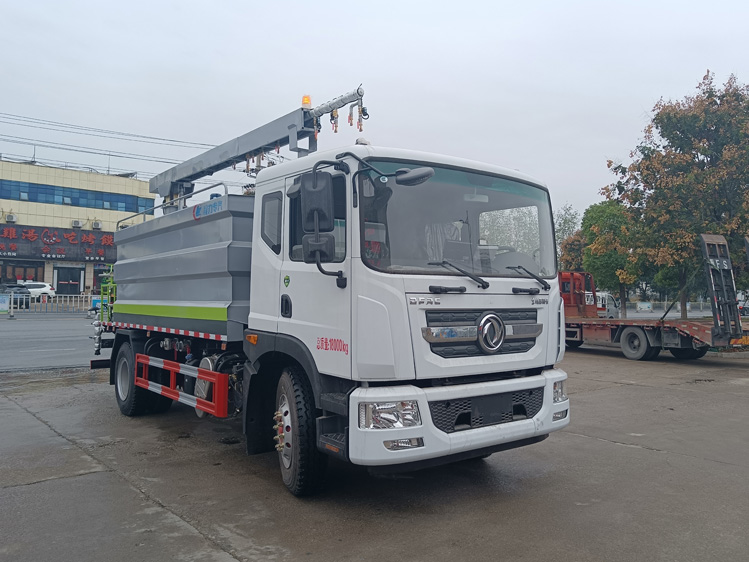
(85, 149)
(66, 164)
(38, 122)
(101, 136)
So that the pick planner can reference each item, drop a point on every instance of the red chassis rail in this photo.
(217, 401)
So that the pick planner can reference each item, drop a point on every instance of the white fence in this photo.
(70, 304)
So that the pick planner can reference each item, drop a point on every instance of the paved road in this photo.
(654, 466)
(42, 341)
(53, 340)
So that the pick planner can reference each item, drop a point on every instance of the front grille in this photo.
(451, 350)
(471, 349)
(471, 317)
(482, 411)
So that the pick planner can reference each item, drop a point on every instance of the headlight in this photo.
(559, 395)
(389, 415)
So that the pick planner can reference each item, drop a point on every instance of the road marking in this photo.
(38, 350)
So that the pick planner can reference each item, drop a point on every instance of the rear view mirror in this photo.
(404, 176)
(316, 191)
(324, 243)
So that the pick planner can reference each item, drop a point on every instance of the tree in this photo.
(689, 176)
(610, 233)
(571, 252)
(566, 223)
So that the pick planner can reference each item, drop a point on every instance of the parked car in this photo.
(644, 306)
(744, 308)
(39, 289)
(21, 295)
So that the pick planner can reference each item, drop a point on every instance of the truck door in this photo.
(314, 310)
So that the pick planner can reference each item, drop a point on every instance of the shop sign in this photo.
(52, 243)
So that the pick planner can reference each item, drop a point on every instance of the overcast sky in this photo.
(553, 89)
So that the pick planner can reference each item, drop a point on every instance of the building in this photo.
(57, 225)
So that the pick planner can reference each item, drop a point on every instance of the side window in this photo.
(339, 216)
(270, 228)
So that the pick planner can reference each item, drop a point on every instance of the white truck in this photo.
(391, 308)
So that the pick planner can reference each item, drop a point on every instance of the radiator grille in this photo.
(511, 317)
(482, 411)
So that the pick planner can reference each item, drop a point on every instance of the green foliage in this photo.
(609, 235)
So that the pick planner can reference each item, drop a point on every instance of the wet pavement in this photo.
(654, 466)
(43, 341)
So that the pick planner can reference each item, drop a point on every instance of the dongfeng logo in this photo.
(491, 333)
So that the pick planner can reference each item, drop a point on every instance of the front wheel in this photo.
(635, 345)
(302, 465)
(573, 344)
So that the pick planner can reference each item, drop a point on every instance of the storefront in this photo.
(68, 258)
(14, 270)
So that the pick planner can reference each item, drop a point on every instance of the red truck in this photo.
(642, 339)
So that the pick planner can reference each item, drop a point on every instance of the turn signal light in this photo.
(252, 338)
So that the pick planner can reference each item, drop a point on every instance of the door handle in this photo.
(286, 306)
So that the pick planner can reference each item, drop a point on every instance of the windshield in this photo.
(483, 223)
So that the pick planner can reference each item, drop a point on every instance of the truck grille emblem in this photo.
(491, 333)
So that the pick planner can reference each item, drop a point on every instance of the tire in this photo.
(573, 344)
(302, 465)
(634, 343)
(701, 352)
(652, 354)
(156, 403)
(131, 399)
(688, 354)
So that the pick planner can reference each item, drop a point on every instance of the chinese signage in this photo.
(71, 244)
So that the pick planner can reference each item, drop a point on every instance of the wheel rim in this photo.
(634, 343)
(123, 379)
(286, 436)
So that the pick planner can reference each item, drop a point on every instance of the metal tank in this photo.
(188, 270)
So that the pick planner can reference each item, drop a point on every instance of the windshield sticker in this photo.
(332, 344)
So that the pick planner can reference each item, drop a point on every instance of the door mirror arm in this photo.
(340, 281)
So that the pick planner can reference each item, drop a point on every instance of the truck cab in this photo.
(432, 315)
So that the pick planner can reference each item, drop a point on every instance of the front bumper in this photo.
(366, 446)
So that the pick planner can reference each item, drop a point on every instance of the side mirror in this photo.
(404, 176)
(323, 243)
(316, 191)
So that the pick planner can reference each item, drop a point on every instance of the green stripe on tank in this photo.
(190, 312)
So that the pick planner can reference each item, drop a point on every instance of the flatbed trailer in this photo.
(642, 339)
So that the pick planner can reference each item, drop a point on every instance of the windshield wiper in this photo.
(444, 263)
(543, 282)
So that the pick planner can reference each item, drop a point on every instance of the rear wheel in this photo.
(573, 344)
(701, 352)
(157, 403)
(131, 399)
(302, 465)
(688, 354)
(652, 353)
(635, 345)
